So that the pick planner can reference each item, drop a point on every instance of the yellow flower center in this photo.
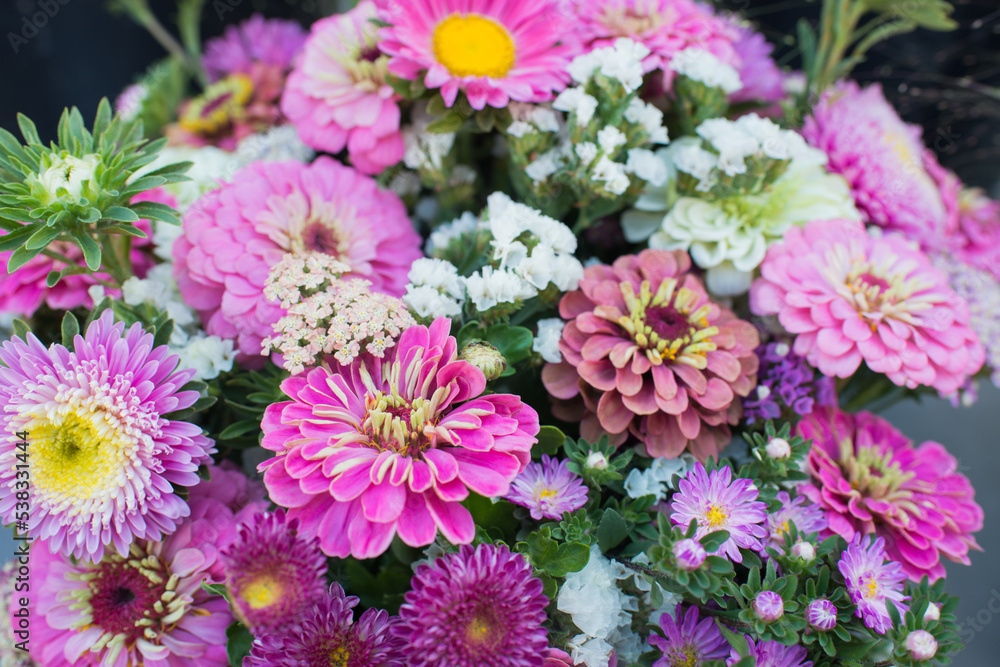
(478, 631)
(872, 589)
(716, 516)
(262, 592)
(221, 103)
(339, 657)
(473, 45)
(546, 494)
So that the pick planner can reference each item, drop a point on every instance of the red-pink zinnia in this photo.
(392, 446)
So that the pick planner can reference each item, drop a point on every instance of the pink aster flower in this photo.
(851, 297)
(338, 96)
(688, 639)
(233, 236)
(650, 354)
(493, 51)
(872, 581)
(146, 607)
(718, 502)
(104, 461)
(763, 81)
(392, 446)
(979, 225)
(273, 42)
(548, 489)
(806, 516)
(480, 607)
(868, 477)
(896, 181)
(772, 654)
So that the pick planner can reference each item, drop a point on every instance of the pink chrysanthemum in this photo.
(273, 574)
(380, 448)
(688, 639)
(763, 81)
(651, 354)
(328, 635)
(979, 224)
(718, 502)
(235, 235)
(868, 477)
(772, 654)
(337, 95)
(480, 607)
(665, 27)
(146, 608)
(896, 181)
(24, 291)
(548, 489)
(872, 581)
(806, 516)
(103, 461)
(493, 51)
(851, 297)
(273, 42)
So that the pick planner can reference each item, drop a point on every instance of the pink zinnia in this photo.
(979, 226)
(494, 51)
(273, 42)
(868, 477)
(896, 181)
(233, 236)
(337, 95)
(652, 355)
(872, 581)
(24, 291)
(392, 446)
(851, 297)
(105, 463)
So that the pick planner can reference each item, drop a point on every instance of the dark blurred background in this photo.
(949, 83)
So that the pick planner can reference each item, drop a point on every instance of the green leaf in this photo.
(514, 343)
(713, 541)
(214, 589)
(91, 250)
(856, 650)
(103, 117)
(450, 122)
(238, 429)
(41, 238)
(16, 238)
(20, 257)
(28, 130)
(612, 530)
(20, 328)
(550, 439)
(556, 559)
(737, 641)
(238, 644)
(120, 213)
(151, 210)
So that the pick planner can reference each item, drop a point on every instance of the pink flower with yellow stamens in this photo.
(872, 581)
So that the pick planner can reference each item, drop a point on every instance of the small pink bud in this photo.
(778, 448)
(689, 554)
(921, 645)
(768, 606)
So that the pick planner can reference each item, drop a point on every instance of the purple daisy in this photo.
(548, 489)
(785, 381)
(273, 42)
(688, 639)
(773, 654)
(273, 574)
(807, 517)
(717, 502)
(872, 581)
(480, 607)
(105, 463)
(328, 635)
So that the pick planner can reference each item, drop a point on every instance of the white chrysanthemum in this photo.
(209, 356)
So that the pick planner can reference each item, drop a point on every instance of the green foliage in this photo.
(551, 557)
(598, 463)
(238, 643)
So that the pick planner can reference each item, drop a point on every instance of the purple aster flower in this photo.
(478, 607)
(105, 463)
(688, 640)
(821, 615)
(807, 517)
(872, 581)
(268, 41)
(717, 502)
(768, 606)
(773, 654)
(548, 489)
(785, 382)
(328, 635)
(273, 574)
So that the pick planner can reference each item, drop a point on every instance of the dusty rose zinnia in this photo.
(233, 236)
(651, 354)
(868, 477)
(851, 297)
(391, 446)
(273, 42)
(480, 607)
(872, 581)
(688, 639)
(337, 95)
(104, 462)
(548, 489)
(494, 52)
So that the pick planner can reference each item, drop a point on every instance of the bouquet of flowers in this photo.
(454, 333)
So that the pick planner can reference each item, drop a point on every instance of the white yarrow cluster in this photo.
(622, 61)
(435, 289)
(703, 66)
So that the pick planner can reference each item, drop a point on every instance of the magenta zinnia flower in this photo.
(979, 226)
(688, 639)
(233, 236)
(868, 477)
(548, 489)
(391, 446)
(337, 95)
(718, 502)
(494, 52)
(104, 461)
(480, 607)
(273, 42)
(772, 654)
(851, 297)
(872, 581)
(650, 353)
(806, 516)
(896, 181)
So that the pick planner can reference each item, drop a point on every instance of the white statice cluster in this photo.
(425, 150)
(752, 136)
(531, 118)
(547, 339)
(464, 225)
(622, 62)
(207, 355)
(599, 609)
(435, 289)
(704, 67)
(656, 479)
